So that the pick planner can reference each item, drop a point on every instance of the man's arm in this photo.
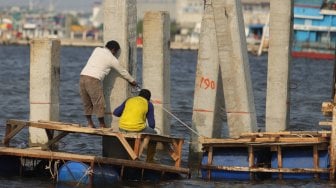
(119, 110)
(150, 115)
(122, 71)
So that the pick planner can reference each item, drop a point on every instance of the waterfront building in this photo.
(314, 28)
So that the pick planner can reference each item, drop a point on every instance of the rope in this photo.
(179, 120)
(56, 164)
(55, 173)
(138, 88)
(88, 173)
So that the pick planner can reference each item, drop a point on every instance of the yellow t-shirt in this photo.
(133, 117)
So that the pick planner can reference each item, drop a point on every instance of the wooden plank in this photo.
(50, 155)
(8, 130)
(68, 127)
(11, 133)
(126, 145)
(327, 108)
(63, 123)
(251, 160)
(279, 160)
(283, 133)
(44, 154)
(265, 140)
(137, 144)
(56, 139)
(173, 151)
(210, 157)
(142, 164)
(333, 146)
(316, 160)
(325, 123)
(160, 138)
(322, 145)
(262, 169)
(134, 153)
(50, 125)
(178, 143)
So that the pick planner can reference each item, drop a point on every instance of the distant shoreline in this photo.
(94, 43)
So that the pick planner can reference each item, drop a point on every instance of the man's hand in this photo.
(134, 83)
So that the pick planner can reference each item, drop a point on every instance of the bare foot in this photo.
(102, 125)
(91, 126)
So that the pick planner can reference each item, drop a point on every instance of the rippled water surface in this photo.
(310, 86)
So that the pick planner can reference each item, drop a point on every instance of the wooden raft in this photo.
(329, 110)
(140, 140)
(274, 142)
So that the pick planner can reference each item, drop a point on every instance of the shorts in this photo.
(145, 130)
(92, 95)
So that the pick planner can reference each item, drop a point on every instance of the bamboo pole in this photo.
(316, 160)
(280, 161)
(251, 160)
(262, 169)
(333, 146)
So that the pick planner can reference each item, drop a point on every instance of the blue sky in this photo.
(60, 5)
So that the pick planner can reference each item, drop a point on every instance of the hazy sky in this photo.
(60, 5)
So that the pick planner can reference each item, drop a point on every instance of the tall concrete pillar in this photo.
(44, 85)
(279, 58)
(120, 25)
(234, 65)
(156, 65)
(223, 76)
(206, 119)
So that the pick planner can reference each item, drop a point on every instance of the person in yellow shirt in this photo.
(134, 112)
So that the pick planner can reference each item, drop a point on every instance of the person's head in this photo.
(145, 93)
(113, 46)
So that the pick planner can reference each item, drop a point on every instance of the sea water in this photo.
(310, 85)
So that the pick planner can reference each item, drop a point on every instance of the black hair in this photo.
(112, 45)
(145, 93)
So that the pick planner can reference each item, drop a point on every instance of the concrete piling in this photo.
(120, 25)
(206, 119)
(279, 58)
(156, 65)
(234, 66)
(44, 85)
(222, 77)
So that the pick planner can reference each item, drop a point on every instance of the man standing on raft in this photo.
(100, 63)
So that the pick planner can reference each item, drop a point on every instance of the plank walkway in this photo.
(272, 142)
(140, 140)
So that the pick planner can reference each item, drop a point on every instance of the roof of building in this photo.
(309, 3)
(255, 1)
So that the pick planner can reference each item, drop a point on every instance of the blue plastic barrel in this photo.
(300, 158)
(77, 172)
(228, 157)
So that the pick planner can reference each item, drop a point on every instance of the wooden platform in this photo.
(272, 142)
(140, 141)
(50, 155)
